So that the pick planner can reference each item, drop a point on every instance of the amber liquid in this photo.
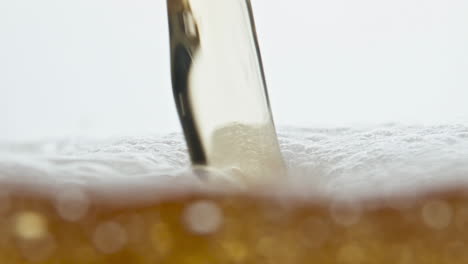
(222, 101)
(200, 228)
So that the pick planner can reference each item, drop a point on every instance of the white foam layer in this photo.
(376, 160)
(321, 161)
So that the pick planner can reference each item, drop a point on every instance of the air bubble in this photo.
(30, 225)
(235, 251)
(203, 217)
(109, 237)
(72, 205)
(437, 214)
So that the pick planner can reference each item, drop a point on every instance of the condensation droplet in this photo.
(72, 205)
(437, 214)
(30, 225)
(109, 237)
(346, 213)
(203, 217)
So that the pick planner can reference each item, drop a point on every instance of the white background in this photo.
(101, 67)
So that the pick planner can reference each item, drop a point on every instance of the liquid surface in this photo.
(320, 161)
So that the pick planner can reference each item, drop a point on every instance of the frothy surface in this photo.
(321, 161)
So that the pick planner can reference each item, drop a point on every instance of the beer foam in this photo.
(337, 162)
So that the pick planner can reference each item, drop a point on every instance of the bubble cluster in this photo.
(235, 230)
